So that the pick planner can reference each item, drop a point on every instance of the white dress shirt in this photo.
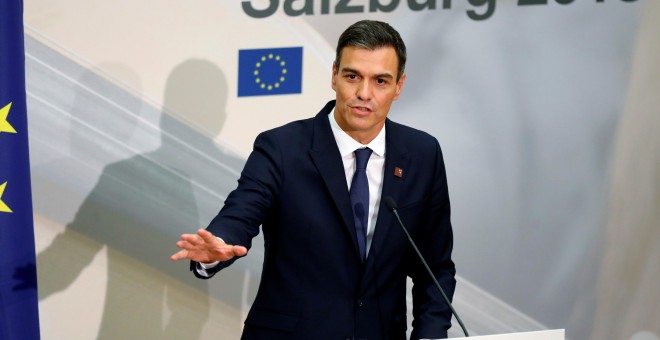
(375, 168)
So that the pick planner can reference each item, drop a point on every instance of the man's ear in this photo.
(334, 76)
(399, 86)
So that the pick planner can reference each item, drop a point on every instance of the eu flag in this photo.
(269, 71)
(19, 313)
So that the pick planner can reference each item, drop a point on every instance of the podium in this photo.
(554, 334)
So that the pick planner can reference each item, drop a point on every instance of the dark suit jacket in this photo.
(313, 284)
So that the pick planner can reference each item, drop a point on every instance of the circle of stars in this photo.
(257, 71)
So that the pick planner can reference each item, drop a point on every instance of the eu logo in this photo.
(269, 71)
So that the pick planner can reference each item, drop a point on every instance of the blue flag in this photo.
(269, 71)
(19, 313)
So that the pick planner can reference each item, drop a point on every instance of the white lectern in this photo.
(555, 334)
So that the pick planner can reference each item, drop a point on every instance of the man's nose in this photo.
(363, 91)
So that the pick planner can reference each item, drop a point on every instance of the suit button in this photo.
(360, 303)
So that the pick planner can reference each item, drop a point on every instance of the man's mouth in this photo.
(364, 109)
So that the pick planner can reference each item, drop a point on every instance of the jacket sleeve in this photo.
(247, 207)
(432, 316)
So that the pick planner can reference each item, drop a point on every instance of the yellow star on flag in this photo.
(3, 206)
(4, 124)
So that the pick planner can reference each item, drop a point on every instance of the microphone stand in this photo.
(392, 205)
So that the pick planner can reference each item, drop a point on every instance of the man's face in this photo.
(366, 86)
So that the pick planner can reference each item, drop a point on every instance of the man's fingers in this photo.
(227, 252)
(205, 247)
(203, 238)
(239, 250)
(181, 254)
(192, 239)
(207, 236)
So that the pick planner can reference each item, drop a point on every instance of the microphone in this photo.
(389, 201)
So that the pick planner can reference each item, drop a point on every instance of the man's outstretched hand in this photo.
(205, 247)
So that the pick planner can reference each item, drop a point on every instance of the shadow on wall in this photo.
(139, 206)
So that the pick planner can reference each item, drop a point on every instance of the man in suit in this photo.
(336, 262)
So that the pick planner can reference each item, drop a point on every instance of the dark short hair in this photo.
(372, 35)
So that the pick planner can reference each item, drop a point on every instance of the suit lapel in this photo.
(326, 157)
(396, 157)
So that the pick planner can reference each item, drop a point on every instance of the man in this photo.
(336, 261)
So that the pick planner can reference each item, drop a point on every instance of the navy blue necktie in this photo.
(360, 198)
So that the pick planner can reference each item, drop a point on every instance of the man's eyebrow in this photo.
(349, 70)
(380, 75)
(384, 75)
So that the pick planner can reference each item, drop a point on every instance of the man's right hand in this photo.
(205, 247)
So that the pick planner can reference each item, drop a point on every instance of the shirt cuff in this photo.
(202, 268)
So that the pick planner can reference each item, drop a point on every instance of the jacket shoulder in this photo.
(410, 136)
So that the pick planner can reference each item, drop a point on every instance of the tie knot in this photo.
(362, 157)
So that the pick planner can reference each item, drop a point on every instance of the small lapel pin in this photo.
(398, 172)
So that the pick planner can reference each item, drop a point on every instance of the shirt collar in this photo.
(347, 144)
